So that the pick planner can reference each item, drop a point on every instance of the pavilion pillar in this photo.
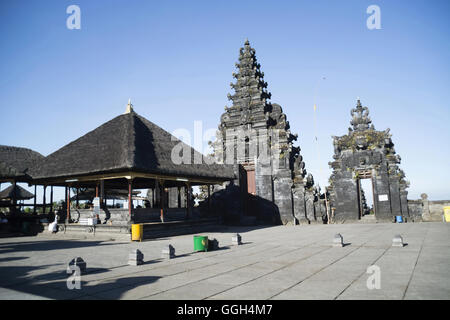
(14, 201)
(34, 201)
(157, 194)
(77, 201)
(179, 196)
(161, 199)
(188, 200)
(102, 193)
(153, 197)
(44, 200)
(51, 198)
(68, 204)
(96, 191)
(209, 198)
(130, 191)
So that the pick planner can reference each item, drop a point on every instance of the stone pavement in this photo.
(282, 262)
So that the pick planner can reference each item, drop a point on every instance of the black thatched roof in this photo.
(128, 142)
(15, 162)
(17, 193)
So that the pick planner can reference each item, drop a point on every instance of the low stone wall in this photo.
(120, 217)
(426, 210)
(115, 217)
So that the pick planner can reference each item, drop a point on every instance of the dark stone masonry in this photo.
(365, 153)
(255, 134)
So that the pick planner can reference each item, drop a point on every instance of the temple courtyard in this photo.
(281, 262)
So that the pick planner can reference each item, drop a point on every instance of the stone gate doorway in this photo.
(366, 193)
(365, 153)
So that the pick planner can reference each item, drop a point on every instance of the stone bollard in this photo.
(79, 262)
(397, 241)
(168, 252)
(213, 244)
(236, 239)
(338, 241)
(135, 258)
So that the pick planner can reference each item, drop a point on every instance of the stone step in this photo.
(175, 228)
(369, 218)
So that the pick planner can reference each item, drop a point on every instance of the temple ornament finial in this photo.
(129, 107)
(360, 117)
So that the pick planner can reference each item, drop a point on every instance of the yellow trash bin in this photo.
(447, 214)
(137, 232)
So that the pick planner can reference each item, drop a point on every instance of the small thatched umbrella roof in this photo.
(15, 162)
(127, 143)
(15, 192)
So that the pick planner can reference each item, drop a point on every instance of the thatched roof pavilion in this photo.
(126, 152)
(128, 146)
(15, 192)
(15, 163)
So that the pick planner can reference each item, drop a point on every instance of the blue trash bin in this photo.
(399, 219)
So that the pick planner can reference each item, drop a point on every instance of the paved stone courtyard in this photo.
(273, 263)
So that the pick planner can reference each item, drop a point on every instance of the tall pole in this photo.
(316, 93)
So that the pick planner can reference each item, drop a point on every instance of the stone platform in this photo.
(295, 262)
(123, 233)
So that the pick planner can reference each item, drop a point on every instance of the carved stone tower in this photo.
(255, 134)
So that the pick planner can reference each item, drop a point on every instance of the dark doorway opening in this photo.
(366, 196)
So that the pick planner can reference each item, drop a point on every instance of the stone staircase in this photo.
(368, 218)
(175, 228)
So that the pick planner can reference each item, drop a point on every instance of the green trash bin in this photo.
(200, 243)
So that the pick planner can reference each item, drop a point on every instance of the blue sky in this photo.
(174, 59)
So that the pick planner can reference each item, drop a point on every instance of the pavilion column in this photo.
(68, 203)
(44, 200)
(209, 198)
(77, 201)
(130, 192)
(14, 201)
(161, 199)
(179, 196)
(34, 201)
(96, 191)
(157, 194)
(153, 197)
(51, 198)
(188, 200)
(102, 193)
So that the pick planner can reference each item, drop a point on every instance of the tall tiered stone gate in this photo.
(255, 134)
(365, 153)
